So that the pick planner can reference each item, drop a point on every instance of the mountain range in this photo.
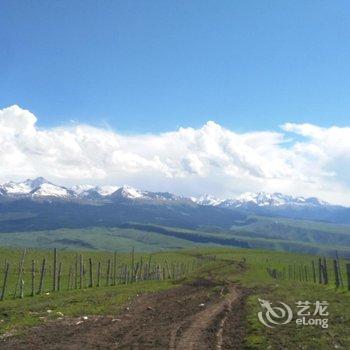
(41, 188)
(39, 208)
(34, 193)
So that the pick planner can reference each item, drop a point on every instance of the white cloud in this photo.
(188, 161)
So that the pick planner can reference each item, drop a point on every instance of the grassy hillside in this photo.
(255, 232)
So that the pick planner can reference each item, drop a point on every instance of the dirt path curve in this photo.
(193, 337)
(202, 315)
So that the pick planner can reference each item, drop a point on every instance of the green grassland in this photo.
(97, 238)
(258, 232)
(19, 313)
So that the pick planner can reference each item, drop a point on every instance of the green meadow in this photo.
(179, 267)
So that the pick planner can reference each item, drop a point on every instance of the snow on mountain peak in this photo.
(50, 190)
(90, 191)
(23, 188)
(263, 199)
(207, 199)
(81, 189)
(129, 192)
(36, 182)
(40, 187)
(106, 190)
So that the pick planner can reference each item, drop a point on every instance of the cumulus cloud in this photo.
(188, 161)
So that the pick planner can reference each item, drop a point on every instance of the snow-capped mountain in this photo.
(41, 188)
(128, 192)
(93, 192)
(25, 187)
(35, 188)
(121, 204)
(263, 199)
(207, 199)
(50, 190)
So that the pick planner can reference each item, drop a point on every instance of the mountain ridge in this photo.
(151, 206)
(40, 187)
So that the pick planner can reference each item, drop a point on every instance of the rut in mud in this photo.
(200, 315)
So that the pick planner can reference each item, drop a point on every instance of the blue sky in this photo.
(151, 66)
(260, 90)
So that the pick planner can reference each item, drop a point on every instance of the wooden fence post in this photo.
(90, 273)
(21, 289)
(306, 274)
(136, 271)
(325, 271)
(320, 271)
(115, 269)
(132, 263)
(59, 275)
(42, 276)
(20, 272)
(313, 271)
(69, 277)
(33, 278)
(54, 276)
(76, 272)
(5, 281)
(81, 272)
(339, 270)
(336, 274)
(348, 274)
(141, 269)
(98, 273)
(108, 272)
(149, 267)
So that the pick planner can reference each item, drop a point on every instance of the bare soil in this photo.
(201, 315)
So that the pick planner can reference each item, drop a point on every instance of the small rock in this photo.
(78, 322)
(202, 305)
(85, 318)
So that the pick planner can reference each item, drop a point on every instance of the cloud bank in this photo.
(301, 159)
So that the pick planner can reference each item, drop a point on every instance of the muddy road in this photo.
(200, 315)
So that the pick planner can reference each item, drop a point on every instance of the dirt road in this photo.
(201, 315)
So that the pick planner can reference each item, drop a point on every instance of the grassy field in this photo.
(19, 313)
(259, 233)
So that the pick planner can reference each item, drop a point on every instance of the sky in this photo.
(186, 96)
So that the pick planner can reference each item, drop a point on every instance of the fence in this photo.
(87, 272)
(318, 272)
